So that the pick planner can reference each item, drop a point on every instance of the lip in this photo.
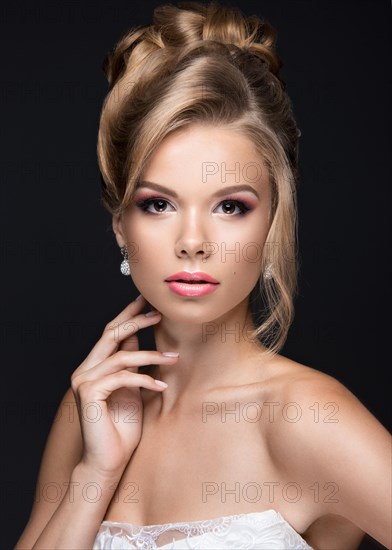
(191, 289)
(195, 276)
(181, 283)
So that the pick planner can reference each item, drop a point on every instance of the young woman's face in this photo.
(202, 205)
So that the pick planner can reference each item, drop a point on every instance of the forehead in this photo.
(200, 152)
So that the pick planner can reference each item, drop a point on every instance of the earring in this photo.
(125, 270)
(268, 272)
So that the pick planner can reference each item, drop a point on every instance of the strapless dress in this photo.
(266, 530)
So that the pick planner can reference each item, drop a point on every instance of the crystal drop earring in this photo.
(268, 272)
(125, 269)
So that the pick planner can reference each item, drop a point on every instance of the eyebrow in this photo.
(219, 193)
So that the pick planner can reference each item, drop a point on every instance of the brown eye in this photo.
(233, 207)
(159, 205)
(228, 207)
(154, 206)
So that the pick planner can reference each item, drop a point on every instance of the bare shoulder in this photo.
(284, 371)
(323, 436)
(62, 453)
(317, 409)
(300, 386)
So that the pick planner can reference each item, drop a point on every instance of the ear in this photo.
(118, 231)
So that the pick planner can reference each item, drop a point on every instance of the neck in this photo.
(211, 355)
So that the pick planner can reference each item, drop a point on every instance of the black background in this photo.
(59, 260)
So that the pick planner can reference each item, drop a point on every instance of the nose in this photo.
(192, 238)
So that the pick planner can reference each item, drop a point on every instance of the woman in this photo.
(214, 439)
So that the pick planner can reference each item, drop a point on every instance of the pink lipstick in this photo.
(198, 283)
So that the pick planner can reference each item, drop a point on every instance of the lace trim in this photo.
(268, 530)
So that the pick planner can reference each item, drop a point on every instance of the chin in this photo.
(190, 317)
(197, 313)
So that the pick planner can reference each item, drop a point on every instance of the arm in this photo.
(82, 452)
(75, 523)
(72, 521)
(353, 452)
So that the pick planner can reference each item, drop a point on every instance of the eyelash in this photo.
(145, 203)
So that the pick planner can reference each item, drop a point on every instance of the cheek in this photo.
(146, 243)
(141, 251)
(243, 246)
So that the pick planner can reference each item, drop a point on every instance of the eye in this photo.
(157, 204)
(229, 206)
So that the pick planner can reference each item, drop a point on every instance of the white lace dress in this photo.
(260, 530)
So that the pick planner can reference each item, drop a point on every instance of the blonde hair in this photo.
(207, 64)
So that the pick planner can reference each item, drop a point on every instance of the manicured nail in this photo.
(160, 383)
(151, 313)
(138, 297)
(171, 353)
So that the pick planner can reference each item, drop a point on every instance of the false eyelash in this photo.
(243, 206)
(143, 204)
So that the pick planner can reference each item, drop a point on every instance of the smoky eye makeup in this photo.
(144, 204)
(231, 205)
(230, 202)
(156, 205)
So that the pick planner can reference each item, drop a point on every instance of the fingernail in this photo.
(171, 353)
(138, 297)
(160, 383)
(151, 313)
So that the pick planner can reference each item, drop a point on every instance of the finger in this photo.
(129, 344)
(100, 390)
(126, 331)
(122, 360)
(133, 308)
(113, 334)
